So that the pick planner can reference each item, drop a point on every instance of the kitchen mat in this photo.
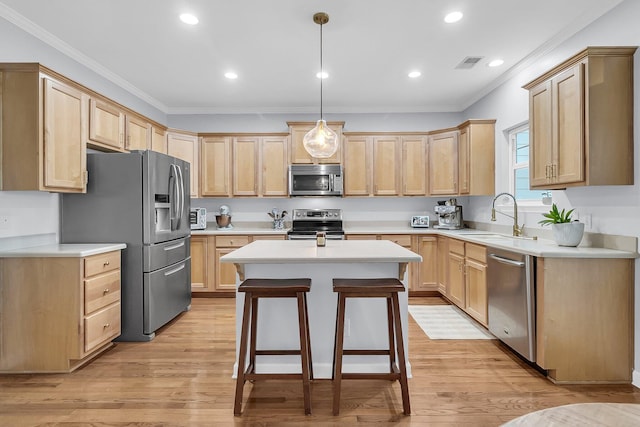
(447, 322)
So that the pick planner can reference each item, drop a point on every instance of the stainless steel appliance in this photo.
(420, 221)
(449, 216)
(511, 300)
(198, 218)
(306, 223)
(141, 199)
(315, 180)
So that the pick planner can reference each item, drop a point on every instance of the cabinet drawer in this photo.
(101, 327)
(231, 241)
(270, 237)
(476, 252)
(101, 263)
(361, 237)
(401, 239)
(456, 246)
(101, 291)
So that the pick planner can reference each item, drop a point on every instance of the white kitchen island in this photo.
(365, 322)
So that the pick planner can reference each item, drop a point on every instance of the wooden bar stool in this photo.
(255, 289)
(371, 288)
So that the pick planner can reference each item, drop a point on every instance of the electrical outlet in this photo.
(4, 222)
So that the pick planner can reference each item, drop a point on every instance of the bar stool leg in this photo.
(404, 384)
(251, 368)
(306, 318)
(390, 325)
(242, 356)
(304, 353)
(337, 370)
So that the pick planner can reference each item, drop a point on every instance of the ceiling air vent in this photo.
(469, 62)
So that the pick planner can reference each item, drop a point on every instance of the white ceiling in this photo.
(369, 48)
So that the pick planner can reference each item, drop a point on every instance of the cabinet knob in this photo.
(106, 263)
(105, 291)
(106, 325)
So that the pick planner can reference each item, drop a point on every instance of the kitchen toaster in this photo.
(198, 218)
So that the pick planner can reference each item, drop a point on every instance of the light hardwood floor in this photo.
(183, 378)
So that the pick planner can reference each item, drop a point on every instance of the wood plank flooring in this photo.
(183, 378)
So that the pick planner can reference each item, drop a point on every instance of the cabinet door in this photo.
(64, 128)
(185, 147)
(414, 166)
(216, 162)
(428, 277)
(464, 176)
(443, 265)
(443, 163)
(386, 165)
(225, 272)
(245, 165)
(159, 140)
(476, 290)
(568, 106)
(202, 263)
(274, 164)
(299, 154)
(540, 130)
(106, 125)
(357, 174)
(138, 133)
(456, 283)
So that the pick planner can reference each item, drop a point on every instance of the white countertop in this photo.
(64, 250)
(306, 251)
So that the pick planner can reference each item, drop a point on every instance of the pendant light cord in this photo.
(321, 73)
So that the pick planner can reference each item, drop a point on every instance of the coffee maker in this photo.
(449, 215)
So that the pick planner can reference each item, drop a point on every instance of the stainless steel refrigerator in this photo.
(139, 198)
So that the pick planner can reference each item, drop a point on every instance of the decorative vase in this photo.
(568, 233)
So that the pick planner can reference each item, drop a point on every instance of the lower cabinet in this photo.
(57, 313)
(426, 276)
(466, 284)
(208, 274)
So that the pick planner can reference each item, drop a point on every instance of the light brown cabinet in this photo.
(202, 263)
(584, 319)
(215, 160)
(476, 158)
(387, 165)
(443, 264)
(466, 283)
(581, 121)
(106, 125)
(443, 163)
(184, 145)
(260, 165)
(58, 313)
(138, 133)
(298, 154)
(426, 276)
(44, 124)
(159, 140)
(357, 166)
(414, 165)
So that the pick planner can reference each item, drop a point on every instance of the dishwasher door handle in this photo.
(507, 261)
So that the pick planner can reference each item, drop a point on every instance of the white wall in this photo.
(613, 209)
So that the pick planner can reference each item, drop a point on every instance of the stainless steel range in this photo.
(307, 222)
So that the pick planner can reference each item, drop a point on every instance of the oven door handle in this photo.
(299, 237)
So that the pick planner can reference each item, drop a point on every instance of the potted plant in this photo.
(565, 231)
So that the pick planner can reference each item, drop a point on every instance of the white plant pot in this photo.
(568, 234)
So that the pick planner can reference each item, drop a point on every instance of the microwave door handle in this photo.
(330, 182)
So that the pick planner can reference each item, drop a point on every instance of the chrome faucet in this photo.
(517, 230)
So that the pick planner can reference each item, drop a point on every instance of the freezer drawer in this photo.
(167, 293)
(164, 254)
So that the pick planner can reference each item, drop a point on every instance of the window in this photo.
(519, 176)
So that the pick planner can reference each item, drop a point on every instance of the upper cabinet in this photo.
(44, 122)
(476, 158)
(414, 165)
(138, 133)
(260, 165)
(443, 163)
(581, 121)
(184, 145)
(159, 139)
(215, 161)
(297, 131)
(106, 125)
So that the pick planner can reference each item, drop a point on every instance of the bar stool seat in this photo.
(255, 289)
(387, 288)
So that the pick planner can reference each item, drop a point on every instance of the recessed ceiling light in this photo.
(452, 17)
(188, 18)
(231, 75)
(496, 63)
(322, 75)
(415, 74)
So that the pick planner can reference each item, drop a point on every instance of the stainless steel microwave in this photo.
(315, 180)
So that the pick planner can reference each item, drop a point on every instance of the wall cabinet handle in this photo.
(105, 291)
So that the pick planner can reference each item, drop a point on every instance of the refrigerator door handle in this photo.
(174, 196)
(182, 195)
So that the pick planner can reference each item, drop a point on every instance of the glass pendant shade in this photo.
(321, 142)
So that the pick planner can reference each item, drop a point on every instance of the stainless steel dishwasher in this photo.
(511, 300)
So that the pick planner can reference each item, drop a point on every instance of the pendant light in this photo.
(321, 142)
